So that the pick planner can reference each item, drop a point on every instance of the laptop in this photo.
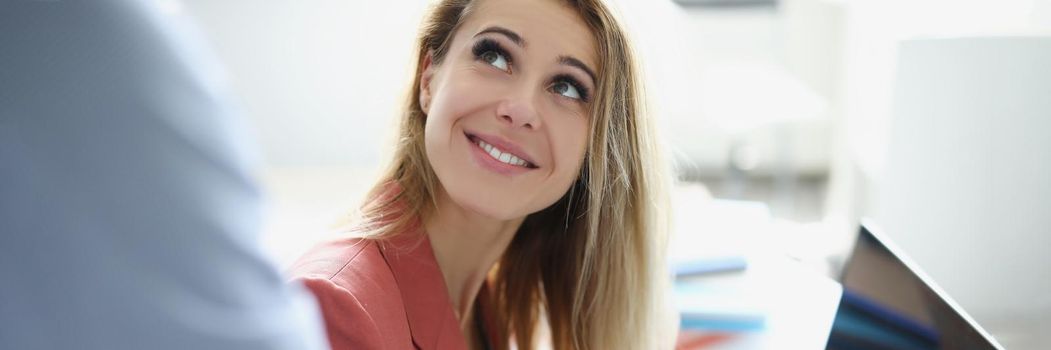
(889, 303)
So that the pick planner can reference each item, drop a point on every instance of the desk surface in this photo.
(774, 303)
(797, 307)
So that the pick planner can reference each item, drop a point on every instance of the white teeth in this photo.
(497, 154)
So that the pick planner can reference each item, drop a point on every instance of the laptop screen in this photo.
(889, 304)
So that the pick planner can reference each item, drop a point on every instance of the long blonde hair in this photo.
(591, 265)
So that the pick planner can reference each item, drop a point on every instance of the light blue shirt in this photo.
(128, 216)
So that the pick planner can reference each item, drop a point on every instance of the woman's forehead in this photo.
(548, 27)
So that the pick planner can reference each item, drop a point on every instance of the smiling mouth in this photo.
(500, 155)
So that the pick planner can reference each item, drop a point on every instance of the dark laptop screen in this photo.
(888, 304)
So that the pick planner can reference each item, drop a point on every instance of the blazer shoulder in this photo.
(357, 294)
(328, 259)
(355, 265)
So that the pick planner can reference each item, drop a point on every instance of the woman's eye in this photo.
(566, 89)
(496, 59)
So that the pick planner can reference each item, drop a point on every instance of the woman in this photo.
(525, 197)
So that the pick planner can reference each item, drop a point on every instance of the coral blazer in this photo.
(386, 294)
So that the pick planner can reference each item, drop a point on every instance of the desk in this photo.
(795, 305)
(776, 302)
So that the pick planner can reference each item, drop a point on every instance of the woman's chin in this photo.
(492, 208)
(496, 212)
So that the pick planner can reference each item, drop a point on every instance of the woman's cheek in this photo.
(467, 94)
(572, 145)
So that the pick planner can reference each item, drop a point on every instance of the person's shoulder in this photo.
(353, 264)
(356, 291)
(330, 258)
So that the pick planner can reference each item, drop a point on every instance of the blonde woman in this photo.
(523, 207)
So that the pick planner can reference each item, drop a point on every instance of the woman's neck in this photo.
(466, 245)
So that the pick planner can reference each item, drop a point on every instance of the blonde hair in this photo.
(592, 264)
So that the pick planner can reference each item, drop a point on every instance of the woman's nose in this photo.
(519, 110)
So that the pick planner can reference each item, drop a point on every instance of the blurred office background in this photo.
(933, 117)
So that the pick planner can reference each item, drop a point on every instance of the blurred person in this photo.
(525, 196)
(128, 217)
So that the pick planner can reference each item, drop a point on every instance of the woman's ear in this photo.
(425, 82)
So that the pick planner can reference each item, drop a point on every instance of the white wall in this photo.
(320, 79)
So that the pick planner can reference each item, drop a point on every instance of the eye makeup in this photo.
(485, 46)
(585, 95)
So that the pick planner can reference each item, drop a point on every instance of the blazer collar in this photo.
(432, 320)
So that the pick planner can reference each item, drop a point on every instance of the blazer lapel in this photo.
(432, 320)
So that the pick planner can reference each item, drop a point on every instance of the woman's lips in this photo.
(502, 164)
(502, 150)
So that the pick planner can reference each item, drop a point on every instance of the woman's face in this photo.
(507, 108)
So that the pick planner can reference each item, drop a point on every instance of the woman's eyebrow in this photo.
(510, 34)
(572, 61)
